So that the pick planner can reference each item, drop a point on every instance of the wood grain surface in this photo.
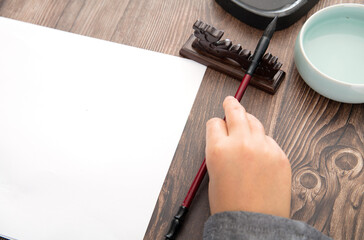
(323, 139)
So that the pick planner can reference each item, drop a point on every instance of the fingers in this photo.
(236, 117)
(238, 122)
(215, 130)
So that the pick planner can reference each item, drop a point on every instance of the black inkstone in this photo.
(258, 13)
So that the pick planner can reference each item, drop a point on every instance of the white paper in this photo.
(88, 129)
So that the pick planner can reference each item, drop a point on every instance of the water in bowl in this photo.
(336, 48)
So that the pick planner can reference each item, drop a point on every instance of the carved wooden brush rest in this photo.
(205, 47)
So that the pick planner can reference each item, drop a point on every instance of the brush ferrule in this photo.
(258, 54)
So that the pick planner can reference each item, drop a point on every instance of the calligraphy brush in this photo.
(256, 58)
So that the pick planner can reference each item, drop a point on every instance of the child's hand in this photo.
(248, 171)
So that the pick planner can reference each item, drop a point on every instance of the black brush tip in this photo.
(268, 32)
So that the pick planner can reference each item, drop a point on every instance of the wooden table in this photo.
(323, 139)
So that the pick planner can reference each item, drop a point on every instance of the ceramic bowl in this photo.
(329, 52)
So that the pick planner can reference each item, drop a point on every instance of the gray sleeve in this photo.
(256, 226)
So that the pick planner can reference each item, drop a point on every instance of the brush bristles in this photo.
(271, 28)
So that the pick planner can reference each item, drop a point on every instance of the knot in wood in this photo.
(346, 161)
(308, 180)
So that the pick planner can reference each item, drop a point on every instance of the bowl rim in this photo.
(303, 30)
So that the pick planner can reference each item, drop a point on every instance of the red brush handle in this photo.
(182, 211)
(195, 184)
(202, 171)
(242, 87)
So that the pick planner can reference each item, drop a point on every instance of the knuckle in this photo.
(259, 126)
(255, 122)
(284, 161)
(250, 149)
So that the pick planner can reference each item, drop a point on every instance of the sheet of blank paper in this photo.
(88, 129)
